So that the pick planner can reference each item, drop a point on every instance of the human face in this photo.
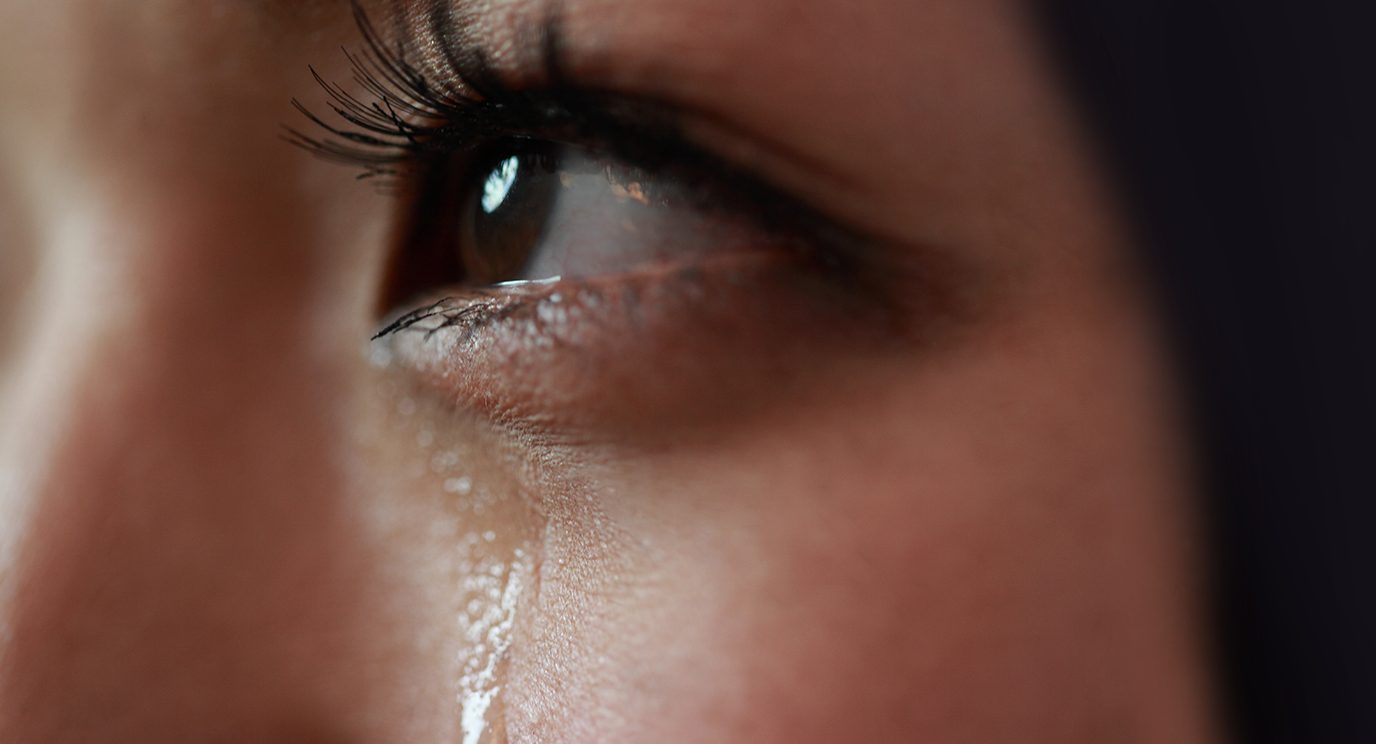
(903, 470)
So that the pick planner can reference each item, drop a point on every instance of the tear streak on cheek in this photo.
(495, 589)
(488, 527)
(460, 532)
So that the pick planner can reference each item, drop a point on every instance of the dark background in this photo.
(1244, 136)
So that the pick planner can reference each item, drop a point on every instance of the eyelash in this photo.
(412, 127)
(413, 121)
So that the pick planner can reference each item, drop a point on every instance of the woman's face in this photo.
(826, 406)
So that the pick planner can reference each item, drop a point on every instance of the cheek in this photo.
(482, 548)
(909, 539)
(879, 565)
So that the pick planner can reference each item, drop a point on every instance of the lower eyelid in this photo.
(601, 353)
(560, 301)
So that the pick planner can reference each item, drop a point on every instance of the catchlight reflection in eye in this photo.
(499, 183)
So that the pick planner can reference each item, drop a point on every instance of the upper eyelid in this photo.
(413, 111)
(404, 110)
(551, 67)
(413, 117)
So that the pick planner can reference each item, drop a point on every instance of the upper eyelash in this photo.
(411, 121)
(411, 118)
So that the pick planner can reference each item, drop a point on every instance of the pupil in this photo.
(507, 218)
(499, 183)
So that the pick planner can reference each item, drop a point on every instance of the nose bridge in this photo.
(175, 547)
(177, 559)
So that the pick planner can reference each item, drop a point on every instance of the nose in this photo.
(182, 558)
(178, 560)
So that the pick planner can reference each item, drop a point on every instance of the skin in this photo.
(224, 516)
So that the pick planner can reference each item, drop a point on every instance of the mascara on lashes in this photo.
(413, 122)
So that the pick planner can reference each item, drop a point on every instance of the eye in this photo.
(522, 210)
(553, 280)
(574, 258)
(499, 194)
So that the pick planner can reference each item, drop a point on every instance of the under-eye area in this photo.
(670, 342)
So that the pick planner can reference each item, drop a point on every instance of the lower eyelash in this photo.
(552, 360)
(539, 306)
(470, 312)
(465, 313)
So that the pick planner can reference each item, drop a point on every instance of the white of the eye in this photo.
(498, 184)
